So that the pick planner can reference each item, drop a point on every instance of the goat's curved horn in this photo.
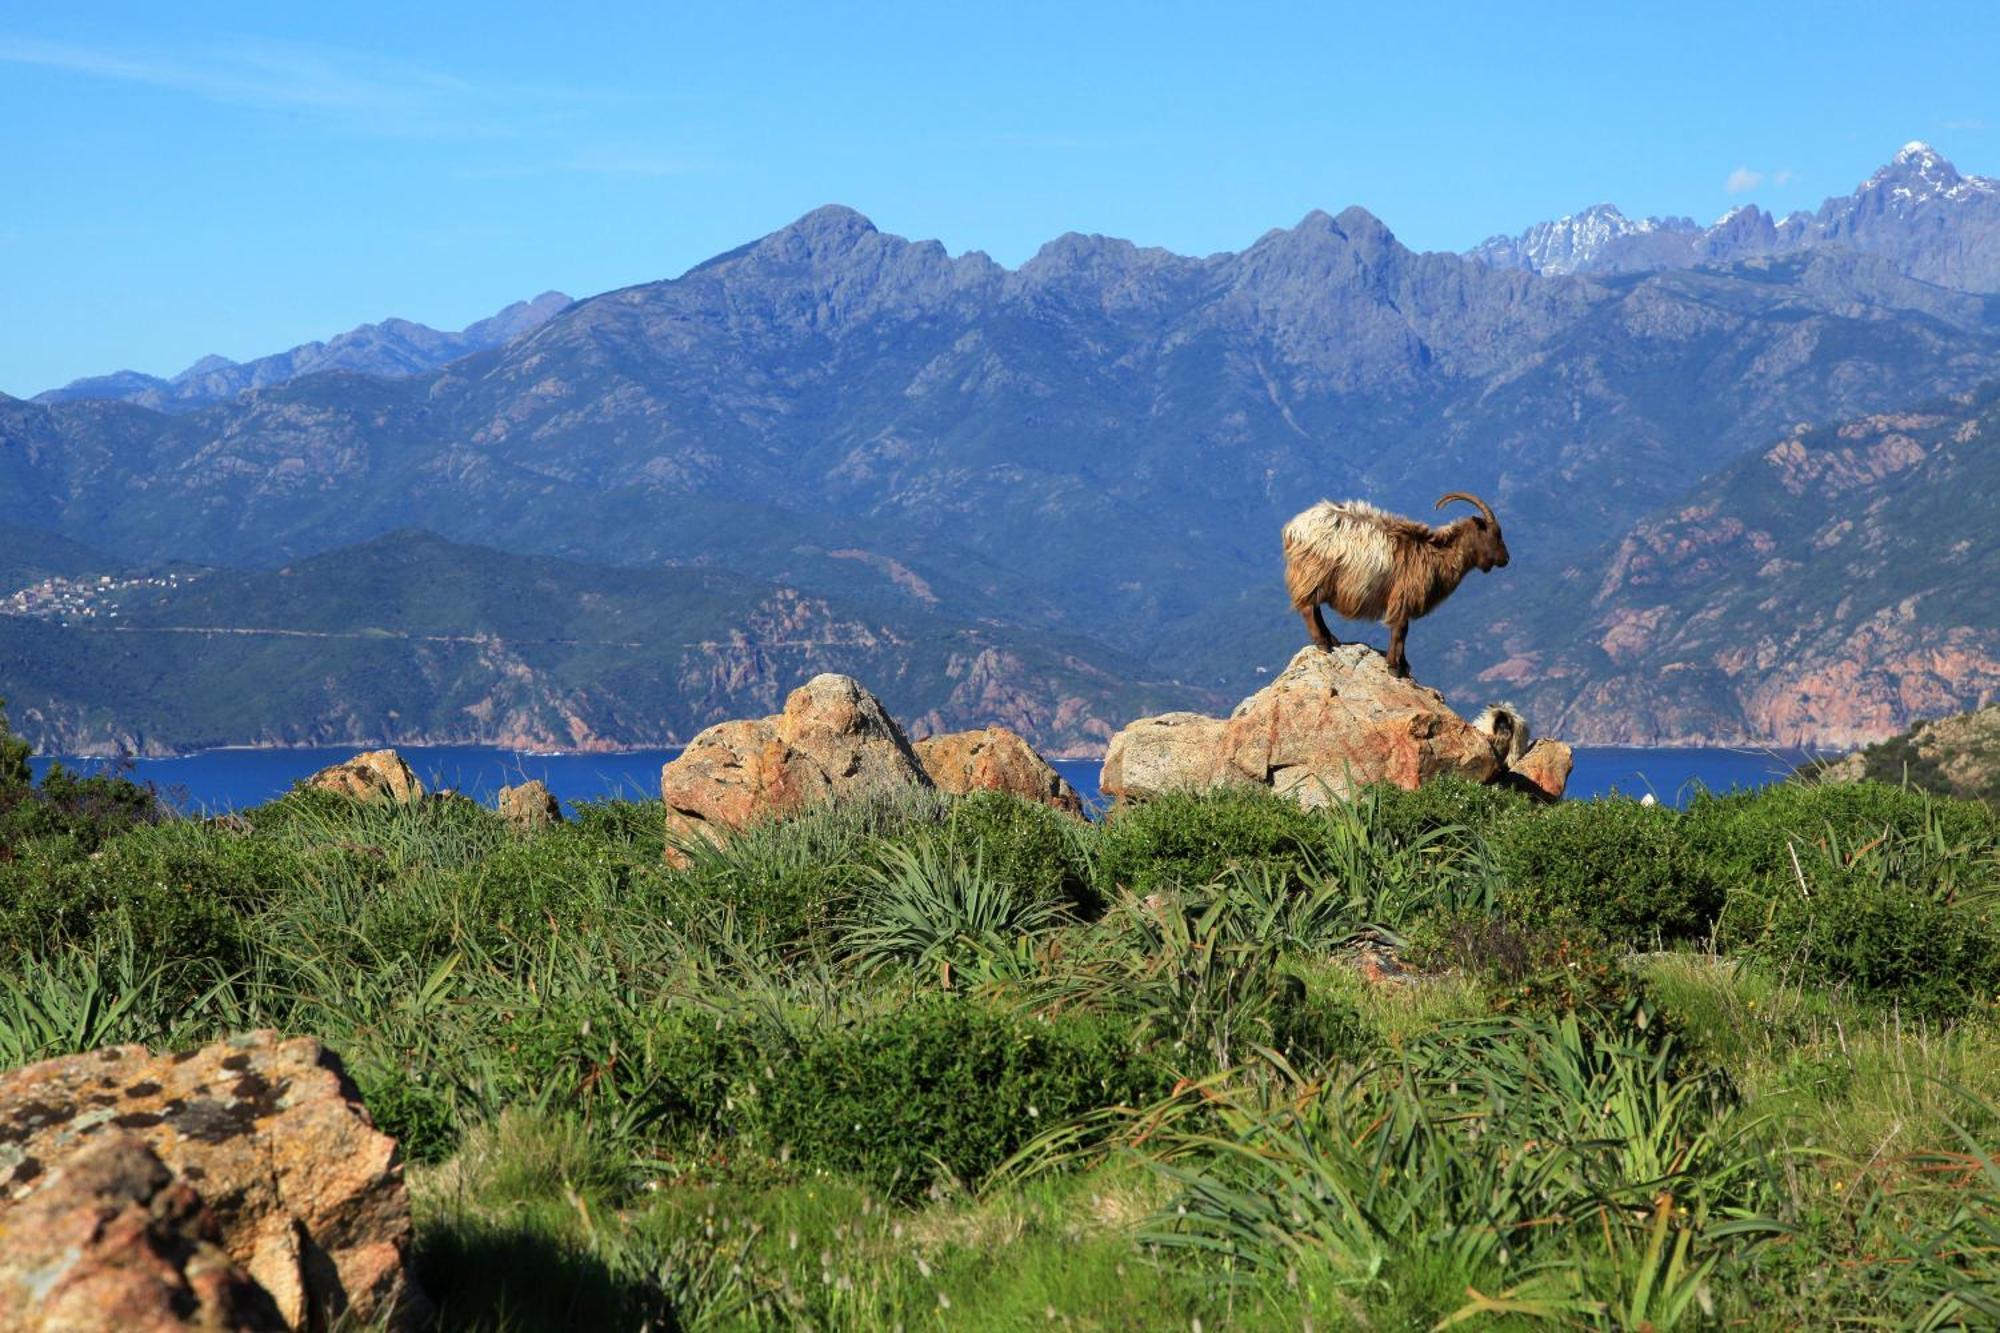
(1470, 499)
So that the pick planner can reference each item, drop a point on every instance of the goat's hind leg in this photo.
(1316, 627)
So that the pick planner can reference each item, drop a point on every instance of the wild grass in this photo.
(939, 1063)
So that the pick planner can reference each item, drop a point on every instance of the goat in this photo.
(1369, 564)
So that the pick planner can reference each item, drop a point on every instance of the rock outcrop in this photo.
(1330, 723)
(530, 806)
(307, 1194)
(377, 776)
(833, 740)
(1950, 756)
(994, 759)
(111, 1240)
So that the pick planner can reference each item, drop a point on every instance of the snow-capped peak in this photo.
(1570, 243)
(1919, 173)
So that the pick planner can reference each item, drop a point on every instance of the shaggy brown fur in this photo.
(1368, 564)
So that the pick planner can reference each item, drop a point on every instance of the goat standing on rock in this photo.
(1369, 564)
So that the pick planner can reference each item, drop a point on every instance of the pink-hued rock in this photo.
(994, 759)
(111, 1240)
(1330, 723)
(307, 1193)
(834, 739)
(1544, 769)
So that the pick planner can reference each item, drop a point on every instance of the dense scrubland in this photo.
(1427, 1059)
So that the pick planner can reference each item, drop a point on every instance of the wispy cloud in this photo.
(1969, 124)
(357, 89)
(1742, 180)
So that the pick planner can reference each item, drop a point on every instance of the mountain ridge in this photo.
(392, 347)
(1916, 210)
(1102, 442)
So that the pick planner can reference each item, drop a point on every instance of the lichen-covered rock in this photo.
(530, 806)
(378, 776)
(110, 1240)
(1331, 722)
(994, 759)
(834, 739)
(1543, 771)
(308, 1195)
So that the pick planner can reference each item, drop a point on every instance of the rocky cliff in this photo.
(1826, 591)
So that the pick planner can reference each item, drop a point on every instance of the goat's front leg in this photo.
(1399, 664)
(1316, 627)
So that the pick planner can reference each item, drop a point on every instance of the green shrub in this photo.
(1909, 918)
(791, 878)
(637, 828)
(944, 1084)
(69, 816)
(14, 770)
(661, 1075)
(927, 905)
(183, 899)
(1193, 838)
(417, 1112)
(1447, 804)
(1745, 838)
(1613, 865)
(1036, 851)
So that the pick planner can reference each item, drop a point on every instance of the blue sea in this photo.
(218, 780)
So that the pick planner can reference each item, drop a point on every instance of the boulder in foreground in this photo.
(307, 1194)
(1331, 722)
(379, 776)
(111, 1240)
(833, 740)
(995, 759)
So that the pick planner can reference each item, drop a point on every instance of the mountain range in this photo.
(1917, 211)
(392, 347)
(1098, 445)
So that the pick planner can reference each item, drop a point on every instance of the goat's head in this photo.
(1489, 549)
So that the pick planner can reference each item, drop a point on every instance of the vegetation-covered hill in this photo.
(973, 1060)
(30, 554)
(413, 639)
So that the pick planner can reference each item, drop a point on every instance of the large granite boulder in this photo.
(994, 759)
(307, 1194)
(378, 776)
(1331, 722)
(111, 1240)
(834, 740)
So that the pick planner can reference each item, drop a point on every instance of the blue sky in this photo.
(202, 178)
